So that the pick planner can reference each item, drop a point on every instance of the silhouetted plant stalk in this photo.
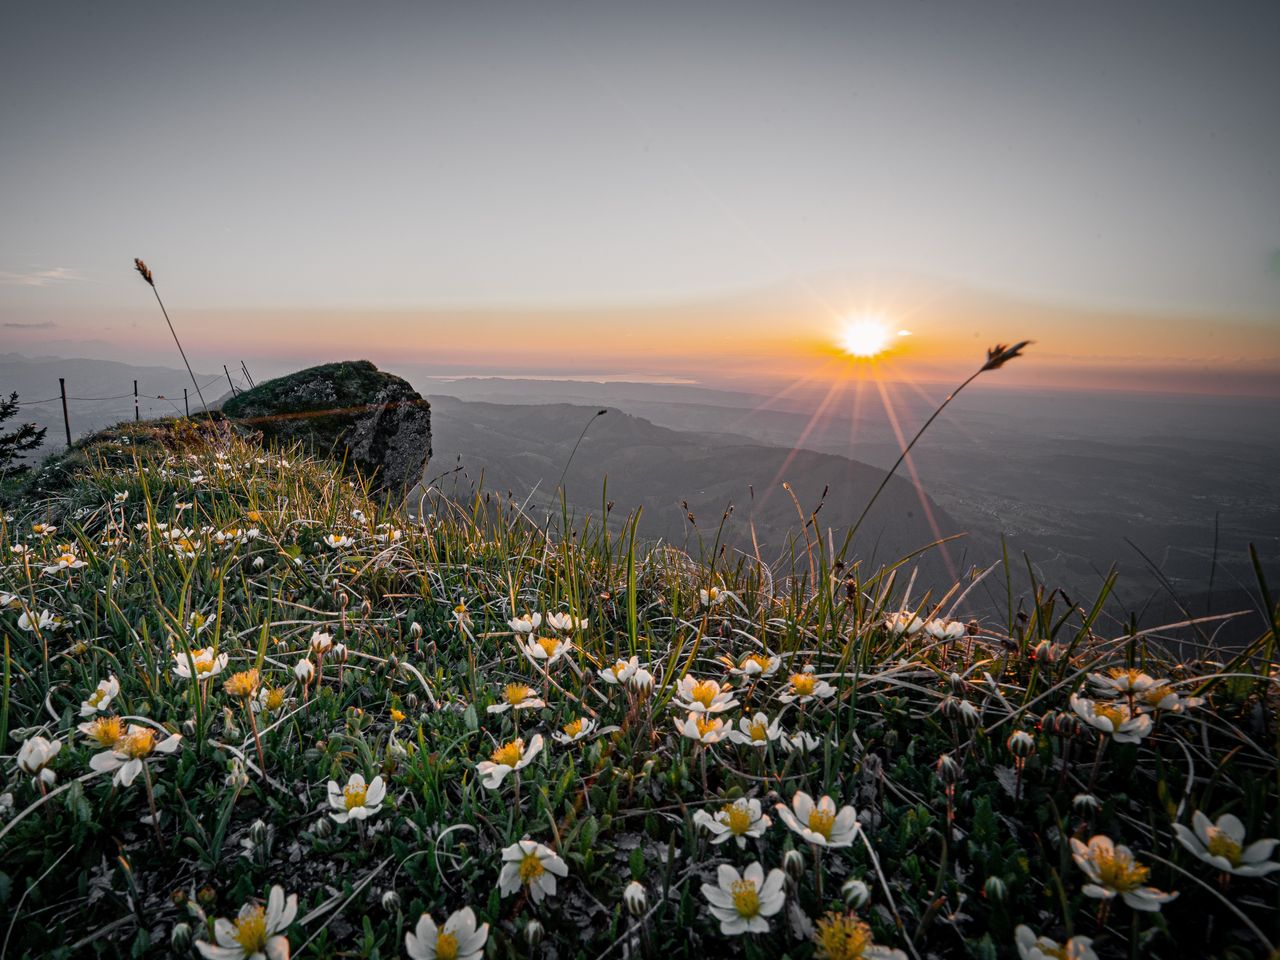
(997, 357)
(145, 271)
(600, 413)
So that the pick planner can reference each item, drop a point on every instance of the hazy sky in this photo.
(642, 183)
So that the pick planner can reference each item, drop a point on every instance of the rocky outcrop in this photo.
(350, 410)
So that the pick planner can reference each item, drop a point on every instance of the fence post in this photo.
(136, 415)
(186, 406)
(66, 418)
(229, 383)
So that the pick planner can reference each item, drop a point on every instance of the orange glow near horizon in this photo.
(774, 336)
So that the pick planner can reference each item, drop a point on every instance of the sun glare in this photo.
(865, 337)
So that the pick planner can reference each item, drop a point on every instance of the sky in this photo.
(705, 190)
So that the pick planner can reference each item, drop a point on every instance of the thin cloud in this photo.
(40, 325)
(40, 278)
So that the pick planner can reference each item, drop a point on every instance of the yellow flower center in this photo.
(460, 609)
(531, 868)
(759, 731)
(397, 715)
(737, 817)
(1058, 953)
(1154, 694)
(96, 697)
(549, 645)
(446, 946)
(242, 684)
(803, 684)
(1125, 678)
(251, 931)
(713, 593)
(137, 744)
(759, 659)
(841, 936)
(619, 668)
(1220, 845)
(517, 693)
(1119, 871)
(67, 559)
(508, 755)
(1113, 712)
(353, 795)
(705, 692)
(574, 728)
(107, 731)
(746, 898)
(706, 725)
(273, 699)
(821, 822)
(254, 515)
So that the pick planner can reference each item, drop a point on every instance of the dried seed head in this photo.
(143, 269)
(1001, 354)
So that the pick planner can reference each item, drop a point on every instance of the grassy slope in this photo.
(83, 873)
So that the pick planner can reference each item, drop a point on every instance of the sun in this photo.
(865, 337)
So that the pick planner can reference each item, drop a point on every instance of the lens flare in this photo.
(865, 337)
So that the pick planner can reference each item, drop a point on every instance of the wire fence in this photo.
(66, 399)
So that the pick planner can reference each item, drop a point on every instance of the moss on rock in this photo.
(351, 410)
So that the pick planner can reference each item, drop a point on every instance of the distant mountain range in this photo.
(684, 481)
(1075, 482)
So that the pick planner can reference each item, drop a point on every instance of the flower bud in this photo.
(1062, 724)
(304, 670)
(237, 775)
(415, 630)
(636, 899)
(180, 937)
(1086, 804)
(642, 681)
(995, 889)
(391, 901)
(533, 932)
(258, 832)
(856, 893)
(322, 828)
(793, 863)
(206, 897)
(947, 769)
(1045, 652)
(1021, 744)
(340, 652)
